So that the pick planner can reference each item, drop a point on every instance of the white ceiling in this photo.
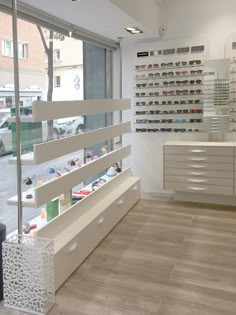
(103, 16)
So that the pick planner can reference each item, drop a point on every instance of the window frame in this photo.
(24, 45)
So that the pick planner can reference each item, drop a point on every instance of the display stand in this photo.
(78, 230)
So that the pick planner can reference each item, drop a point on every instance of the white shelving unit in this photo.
(78, 230)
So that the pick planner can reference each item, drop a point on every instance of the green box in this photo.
(52, 209)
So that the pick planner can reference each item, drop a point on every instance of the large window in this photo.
(72, 70)
(7, 49)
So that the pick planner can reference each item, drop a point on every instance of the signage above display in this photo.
(183, 50)
(143, 54)
(156, 52)
(169, 51)
(197, 48)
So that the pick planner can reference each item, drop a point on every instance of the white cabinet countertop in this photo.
(201, 143)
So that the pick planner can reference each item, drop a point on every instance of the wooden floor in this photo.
(164, 258)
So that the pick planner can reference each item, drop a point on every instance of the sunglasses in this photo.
(168, 92)
(141, 129)
(141, 85)
(180, 121)
(166, 129)
(168, 74)
(195, 81)
(141, 121)
(140, 76)
(156, 65)
(142, 112)
(181, 63)
(194, 72)
(178, 73)
(140, 67)
(153, 130)
(169, 64)
(153, 93)
(195, 111)
(140, 103)
(183, 92)
(195, 120)
(184, 82)
(149, 66)
(154, 121)
(166, 102)
(168, 83)
(140, 94)
(195, 91)
(195, 62)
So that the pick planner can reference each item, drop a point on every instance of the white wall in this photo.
(145, 12)
(212, 22)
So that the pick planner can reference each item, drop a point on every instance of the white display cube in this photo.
(28, 274)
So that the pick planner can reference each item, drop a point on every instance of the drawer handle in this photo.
(101, 220)
(197, 159)
(198, 188)
(197, 166)
(197, 173)
(197, 180)
(197, 151)
(135, 188)
(120, 202)
(72, 248)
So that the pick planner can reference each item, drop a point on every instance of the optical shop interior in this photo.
(118, 157)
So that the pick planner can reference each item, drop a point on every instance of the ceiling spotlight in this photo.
(133, 30)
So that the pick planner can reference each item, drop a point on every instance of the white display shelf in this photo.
(42, 222)
(42, 111)
(51, 150)
(56, 187)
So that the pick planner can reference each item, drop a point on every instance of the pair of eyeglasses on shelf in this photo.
(172, 92)
(153, 93)
(140, 103)
(195, 120)
(168, 74)
(154, 75)
(194, 72)
(180, 121)
(185, 130)
(140, 76)
(140, 67)
(181, 73)
(153, 121)
(151, 84)
(187, 102)
(141, 121)
(140, 94)
(153, 103)
(168, 64)
(195, 62)
(139, 85)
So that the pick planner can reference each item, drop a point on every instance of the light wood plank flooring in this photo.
(163, 258)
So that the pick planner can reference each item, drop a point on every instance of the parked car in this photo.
(5, 132)
(68, 126)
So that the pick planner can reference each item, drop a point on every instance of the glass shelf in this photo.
(168, 68)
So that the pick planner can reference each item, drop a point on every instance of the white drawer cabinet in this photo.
(206, 168)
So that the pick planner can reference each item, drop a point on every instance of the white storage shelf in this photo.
(79, 229)
(48, 151)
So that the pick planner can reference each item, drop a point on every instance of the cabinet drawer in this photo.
(199, 150)
(68, 258)
(200, 159)
(199, 173)
(200, 180)
(200, 166)
(201, 189)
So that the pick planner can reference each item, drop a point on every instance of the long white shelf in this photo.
(55, 227)
(42, 111)
(55, 188)
(45, 152)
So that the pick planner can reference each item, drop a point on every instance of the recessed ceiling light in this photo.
(133, 30)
